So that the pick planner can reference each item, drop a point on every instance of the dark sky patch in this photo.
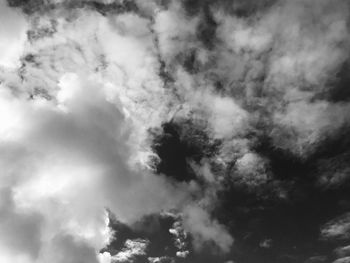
(18, 3)
(122, 232)
(173, 153)
(334, 145)
(154, 227)
(293, 225)
(177, 145)
(283, 164)
(239, 8)
(30, 6)
(190, 62)
(292, 222)
(341, 84)
(337, 86)
(245, 8)
(193, 7)
(206, 30)
(115, 7)
(38, 6)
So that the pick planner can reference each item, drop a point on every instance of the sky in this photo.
(174, 131)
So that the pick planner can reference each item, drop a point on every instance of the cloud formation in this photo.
(211, 111)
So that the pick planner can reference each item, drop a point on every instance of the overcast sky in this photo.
(174, 131)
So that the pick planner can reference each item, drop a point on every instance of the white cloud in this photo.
(227, 118)
(205, 229)
(175, 31)
(300, 131)
(77, 161)
(251, 169)
(132, 249)
(161, 260)
(66, 249)
(12, 35)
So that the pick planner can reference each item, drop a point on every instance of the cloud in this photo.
(204, 229)
(337, 229)
(317, 259)
(64, 248)
(175, 32)
(251, 170)
(20, 231)
(82, 84)
(160, 260)
(77, 159)
(334, 171)
(180, 239)
(342, 251)
(277, 70)
(12, 36)
(342, 260)
(90, 130)
(309, 130)
(133, 248)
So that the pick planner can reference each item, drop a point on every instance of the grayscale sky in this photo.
(174, 131)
